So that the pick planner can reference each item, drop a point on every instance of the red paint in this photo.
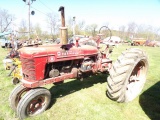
(35, 59)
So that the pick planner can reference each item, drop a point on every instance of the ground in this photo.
(76, 100)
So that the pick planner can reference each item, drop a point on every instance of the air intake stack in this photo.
(63, 29)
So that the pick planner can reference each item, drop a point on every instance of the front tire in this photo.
(16, 95)
(127, 75)
(34, 102)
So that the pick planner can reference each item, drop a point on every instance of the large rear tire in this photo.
(33, 102)
(127, 75)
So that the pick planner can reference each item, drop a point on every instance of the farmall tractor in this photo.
(43, 65)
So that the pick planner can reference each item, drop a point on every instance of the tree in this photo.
(122, 32)
(23, 26)
(141, 31)
(5, 20)
(157, 34)
(22, 30)
(38, 31)
(81, 24)
(150, 32)
(131, 29)
(79, 27)
(91, 29)
(52, 20)
(74, 26)
(70, 26)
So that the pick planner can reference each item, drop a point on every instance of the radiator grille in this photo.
(28, 68)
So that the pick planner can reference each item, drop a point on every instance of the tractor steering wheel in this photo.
(107, 32)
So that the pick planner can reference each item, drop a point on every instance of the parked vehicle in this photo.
(4, 42)
(73, 38)
(138, 41)
(112, 41)
(152, 43)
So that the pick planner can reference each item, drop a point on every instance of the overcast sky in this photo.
(114, 12)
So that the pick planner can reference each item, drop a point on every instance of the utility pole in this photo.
(73, 26)
(29, 2)
(29, 19)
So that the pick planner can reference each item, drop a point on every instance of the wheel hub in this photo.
(35, 105)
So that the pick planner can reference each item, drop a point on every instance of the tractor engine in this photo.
(86, 65)
(58, 68)
(52, 63)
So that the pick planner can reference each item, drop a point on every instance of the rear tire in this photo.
(34, 102)
(127, 75)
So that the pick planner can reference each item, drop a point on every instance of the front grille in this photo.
(28, 69)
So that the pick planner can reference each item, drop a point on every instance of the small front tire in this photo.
(34, 102)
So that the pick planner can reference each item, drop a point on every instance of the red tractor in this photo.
(43, 65)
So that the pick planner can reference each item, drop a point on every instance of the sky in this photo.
(113, 12)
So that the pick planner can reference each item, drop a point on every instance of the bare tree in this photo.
(122, 32)
(81, 24)
(22, 30)
(52, 20)
(150, 32)
(140, 31)
(5, 20)
(91, 29)
(38, 30)
(131, 29)
(23, 26)
(157, 34)
(70, 22)
(70, 26)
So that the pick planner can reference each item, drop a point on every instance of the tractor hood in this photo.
(57, 51)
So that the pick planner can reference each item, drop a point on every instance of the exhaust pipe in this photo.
(63, 29)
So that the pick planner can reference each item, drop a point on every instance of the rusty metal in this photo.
(63, 29)
(63, 35)
(61, 9)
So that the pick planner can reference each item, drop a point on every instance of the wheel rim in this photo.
(20, 95)
(16, 96)
(136, 81)
(36, 105)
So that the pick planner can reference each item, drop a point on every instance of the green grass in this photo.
(75, 100)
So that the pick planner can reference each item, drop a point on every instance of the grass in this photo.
(76, 100)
